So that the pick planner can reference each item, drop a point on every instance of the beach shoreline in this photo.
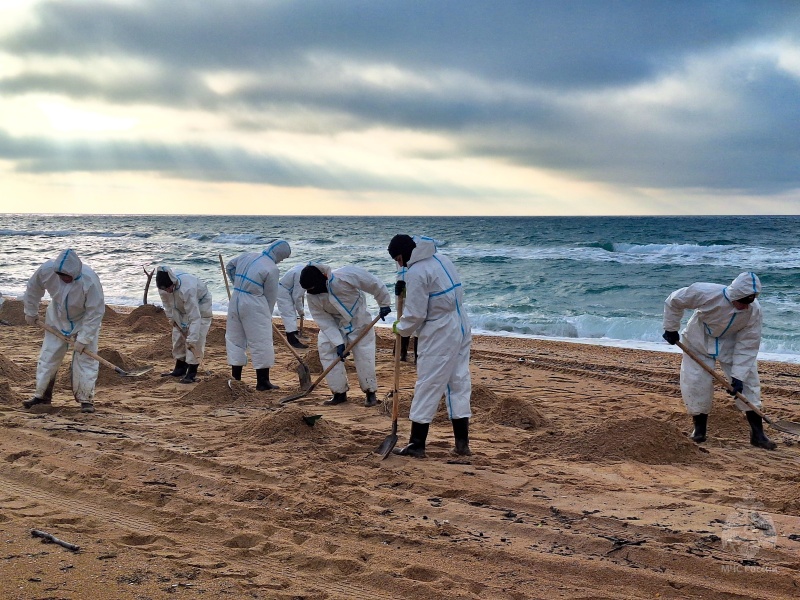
(582, 480)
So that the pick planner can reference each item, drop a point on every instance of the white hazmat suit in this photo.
(188, 307)
(254, 276)
(717, 331)
(434, 311)
(76, 309)
(291, 296)
(342, 315)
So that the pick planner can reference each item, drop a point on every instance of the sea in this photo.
(591, 280)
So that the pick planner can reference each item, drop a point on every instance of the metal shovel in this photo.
(100, 359)
(784, 426)
(303, 371)
(330, 366)
(386, 447)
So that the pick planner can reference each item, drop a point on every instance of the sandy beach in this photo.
(582, 483)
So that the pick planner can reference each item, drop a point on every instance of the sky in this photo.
(405, 107)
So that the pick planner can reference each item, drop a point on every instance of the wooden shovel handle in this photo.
(69, 341)
(721, 379)
(397, 346)
(286, 343)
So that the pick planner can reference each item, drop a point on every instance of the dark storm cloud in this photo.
(521, 65)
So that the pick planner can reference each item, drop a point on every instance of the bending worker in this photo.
(725, 327)
(291, 296)
(187, 303)
(339, 307)
(76, 309)
(434, 308)
(249, 326)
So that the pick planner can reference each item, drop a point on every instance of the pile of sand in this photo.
(284, 425)
(112, 317)
(160, 349)
(148, 310)
(520, 413)
(642, 439)
(11, 370)
(221, 391)
(311, 360)
(7, 396)
(13, 312)
(150, 325)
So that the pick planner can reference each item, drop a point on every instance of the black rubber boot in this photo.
(179, 370)
(371, 400)
(191, 374)
(404, 348)
(757, 436)
(293, 341)
(461, 435)
(87, 407)
(263, 383)
(699, 434)
(34, 402)
(416, 441)
(416, 348)
(236, 372)
(337, 398)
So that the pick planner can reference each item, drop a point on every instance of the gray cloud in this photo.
(521, 65)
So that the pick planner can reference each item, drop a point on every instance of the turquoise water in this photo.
(600, 279)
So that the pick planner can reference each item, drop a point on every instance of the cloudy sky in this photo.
(389, 107)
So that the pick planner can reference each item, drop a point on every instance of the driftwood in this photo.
(51, 539)
(147, 285)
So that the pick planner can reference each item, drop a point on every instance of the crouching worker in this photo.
(76, 310)
(434, 309)
(725, 327)
(187, 303)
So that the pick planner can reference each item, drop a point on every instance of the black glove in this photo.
(737, 386)
(340, 351)
(385, 310)
(399, 288)
(672, 337)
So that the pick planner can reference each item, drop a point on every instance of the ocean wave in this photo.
(69, 233)
(243, 239)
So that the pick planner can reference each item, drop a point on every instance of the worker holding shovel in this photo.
(725, 327)
(187, 304)
(76, 310)
(338, 303)
(434, 309)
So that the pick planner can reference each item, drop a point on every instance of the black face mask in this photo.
(747, 299)
(313, 280)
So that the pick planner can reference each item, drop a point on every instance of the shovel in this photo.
(100, 359)
(330, 366)
(784, 426)
(302, 368)
(386, 447)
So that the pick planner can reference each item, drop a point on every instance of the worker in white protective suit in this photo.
(725, 327)
(291, 297)
(187, 303)
(434, 309)
(76, 309)
(255, 278)
(339, 306)
(406, 339)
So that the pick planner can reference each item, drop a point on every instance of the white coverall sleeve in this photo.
(298, 295)
(271, 278)
(374, 286)
(35, 291)
(415, 307)
(328, 326)
(230, 269)
(93, 317)
(677, 302)
(166, 302)
(745, 351)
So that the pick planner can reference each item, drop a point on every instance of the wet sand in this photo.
(582, 483)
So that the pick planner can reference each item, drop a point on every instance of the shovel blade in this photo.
(386, 447)
(293, 397)
(304, 375)
(786, 427)
(138, 372)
